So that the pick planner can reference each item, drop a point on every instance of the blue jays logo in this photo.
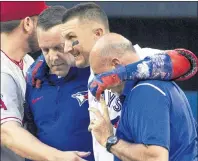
(81, 97)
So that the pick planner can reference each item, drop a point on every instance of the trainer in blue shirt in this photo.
(156, 120)
(59, 109)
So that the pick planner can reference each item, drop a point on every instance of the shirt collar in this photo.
(18, 63)
(127, 88)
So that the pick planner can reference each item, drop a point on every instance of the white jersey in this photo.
(13, 88)
(114, 105)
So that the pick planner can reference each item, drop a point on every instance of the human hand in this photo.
(180, 64)
(70, 156)
(101, 126)
(36, 72)
(107, 80)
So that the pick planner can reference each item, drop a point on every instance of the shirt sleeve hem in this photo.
(156, 143)
(6, 119)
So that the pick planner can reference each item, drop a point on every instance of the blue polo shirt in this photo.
(60, 111)
(158, 113)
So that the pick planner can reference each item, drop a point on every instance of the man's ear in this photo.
(28, 25)
(115, 62)
(98, 33)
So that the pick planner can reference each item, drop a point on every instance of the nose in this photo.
(53, 56)
(68, 46)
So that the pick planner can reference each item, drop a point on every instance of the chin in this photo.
(81, 64)
(61, 74)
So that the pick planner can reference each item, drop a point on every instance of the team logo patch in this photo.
(2, 104)
(81, 97)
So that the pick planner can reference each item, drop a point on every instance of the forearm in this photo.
(137, 152)
(150, 68)
(24, 144)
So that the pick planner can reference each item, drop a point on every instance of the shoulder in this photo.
(154, 85)
(150, 92)
(5, 63)
(149, 96)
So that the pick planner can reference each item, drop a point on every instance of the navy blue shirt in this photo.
(60, 111)
(158, 113)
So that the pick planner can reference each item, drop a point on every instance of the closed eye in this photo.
(71, 37)
(45, 50)
(59, 48)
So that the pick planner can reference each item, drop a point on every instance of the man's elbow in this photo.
(156, 153)
(7, 130)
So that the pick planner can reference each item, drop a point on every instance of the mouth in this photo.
(57, 65)
(76, 54)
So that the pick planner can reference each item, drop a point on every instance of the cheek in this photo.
(47, 59)
(61, 68)
(88, 41)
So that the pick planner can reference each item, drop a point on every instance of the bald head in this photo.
(110, 50)
(113, 44)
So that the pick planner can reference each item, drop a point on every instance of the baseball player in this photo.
(18, 37)
(85, 24)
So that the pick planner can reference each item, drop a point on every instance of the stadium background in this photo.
(161, 25)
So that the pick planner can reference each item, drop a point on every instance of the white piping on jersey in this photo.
(148, 84)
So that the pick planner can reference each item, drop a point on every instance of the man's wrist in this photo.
(52, 154)
(111, 141)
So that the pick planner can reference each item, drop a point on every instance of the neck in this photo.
(131, 57)
(13, 46)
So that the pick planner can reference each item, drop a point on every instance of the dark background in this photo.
(161, 25)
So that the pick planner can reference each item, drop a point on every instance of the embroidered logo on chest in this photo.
(36, 99)
(81, 97)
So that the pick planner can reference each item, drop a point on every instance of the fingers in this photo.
(83, 154)
(92, 125)
(104, 109)
(96, 112)
(38, 83)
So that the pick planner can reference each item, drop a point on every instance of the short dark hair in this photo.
(87, 11)
(9, 26)
(51, 17)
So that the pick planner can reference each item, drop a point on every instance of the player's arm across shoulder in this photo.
(149, 122)
(144, 52)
